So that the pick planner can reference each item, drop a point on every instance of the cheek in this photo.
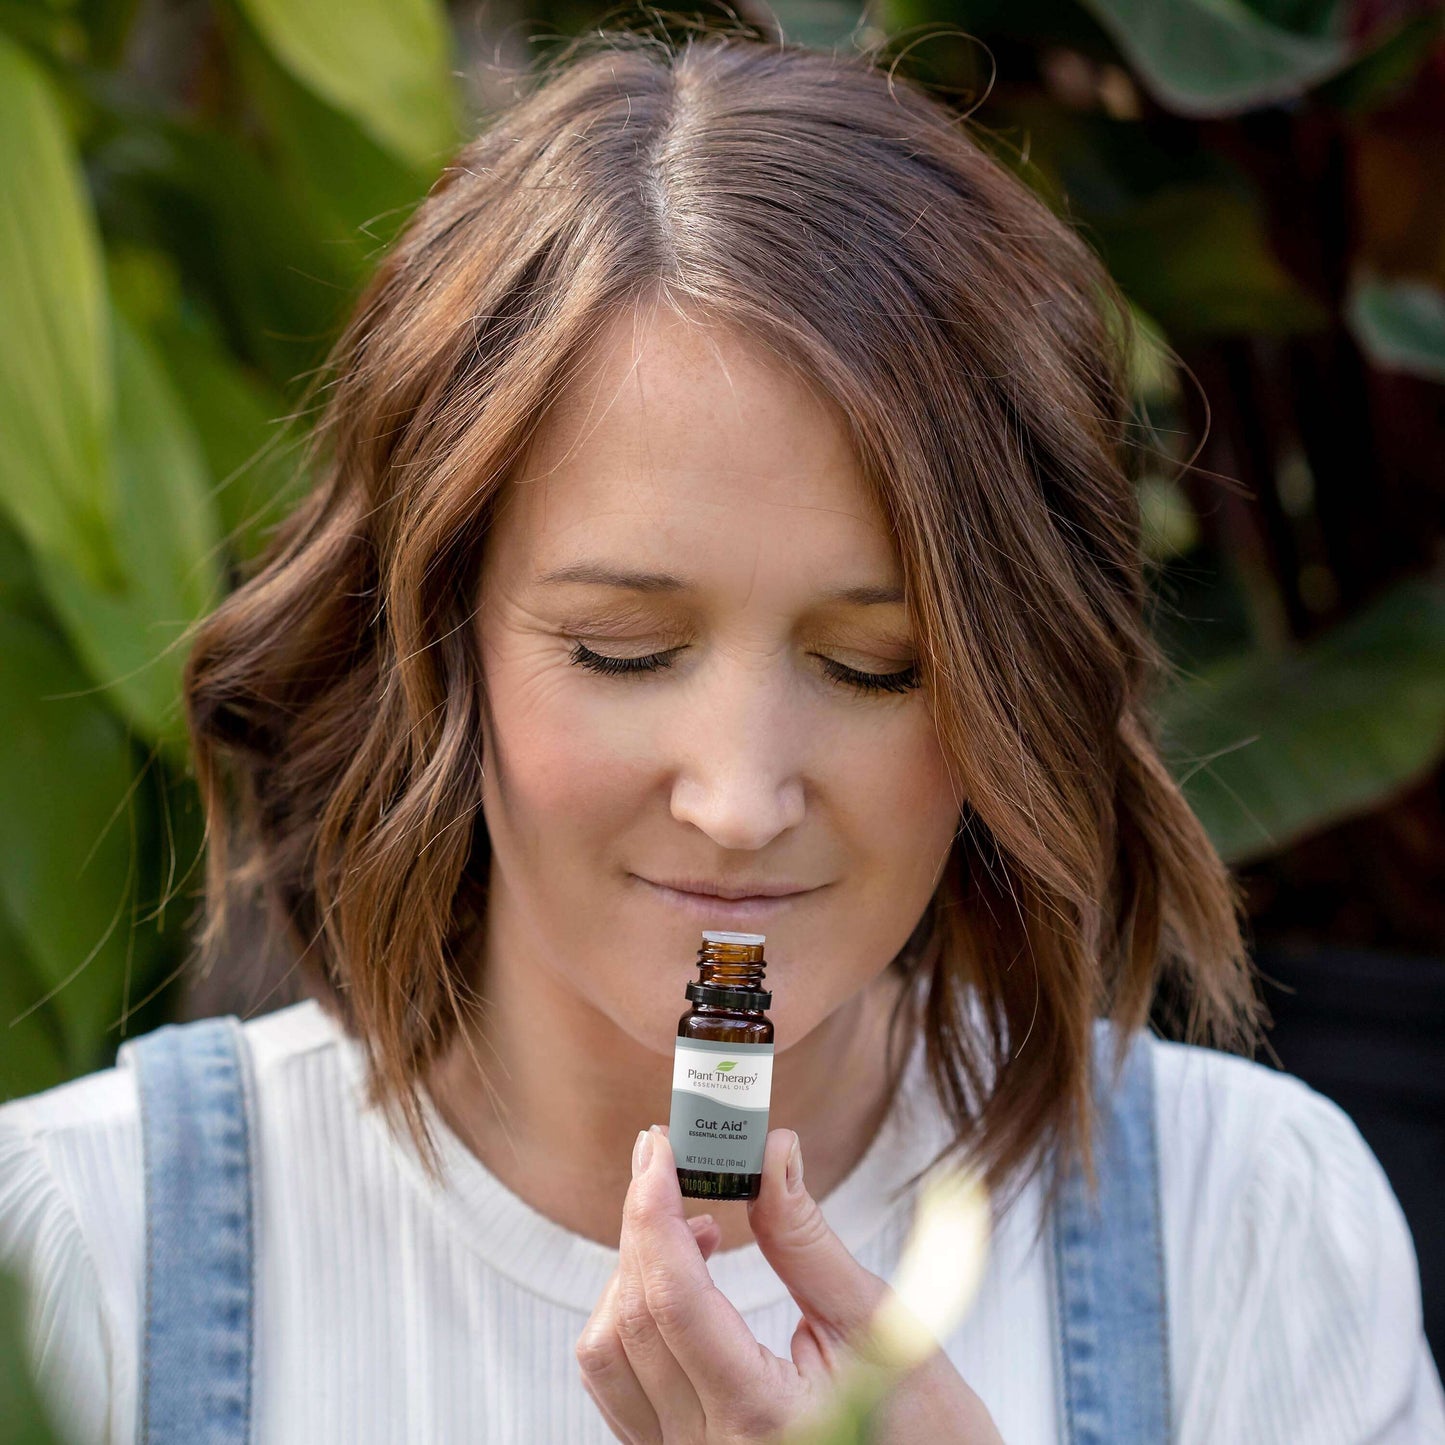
(900, 786)
(556, 764)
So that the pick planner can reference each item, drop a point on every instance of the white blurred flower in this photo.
(938, 1275)
(940, 1268)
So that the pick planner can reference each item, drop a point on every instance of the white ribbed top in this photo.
(390, 1310)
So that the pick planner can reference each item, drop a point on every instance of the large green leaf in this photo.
(1382, 74)
(960, 46)
(108, 25)
(1087, 164)
(1182, 232)
(1400, 325)
(356, 193)
(1270, 749)
(1196, 258)
(386, 63)
(1219, 57)
(33, 1055)
(20, 593)
(55, 381)
(821, 24)
(66, 772)
(242, 424)
(247, 252)
(166, 530)
(23, 1415)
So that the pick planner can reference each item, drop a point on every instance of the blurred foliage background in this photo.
(195, 190)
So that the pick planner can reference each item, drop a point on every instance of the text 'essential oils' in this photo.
(722, 1072)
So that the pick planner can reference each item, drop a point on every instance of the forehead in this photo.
(692, 450)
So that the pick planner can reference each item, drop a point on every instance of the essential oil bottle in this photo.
(722, 1071)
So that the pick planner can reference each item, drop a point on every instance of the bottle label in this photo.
(720, 1097)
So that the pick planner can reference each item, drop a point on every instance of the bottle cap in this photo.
(719, 997)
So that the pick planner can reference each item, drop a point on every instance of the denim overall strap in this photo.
(194, 1086)
(1109, 1267)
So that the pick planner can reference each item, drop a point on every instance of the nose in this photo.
(741, 756)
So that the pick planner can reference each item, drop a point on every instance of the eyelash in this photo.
(865, 682)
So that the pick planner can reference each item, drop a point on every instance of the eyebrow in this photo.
(598, 574)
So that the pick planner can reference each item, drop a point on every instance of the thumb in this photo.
(830, 1287)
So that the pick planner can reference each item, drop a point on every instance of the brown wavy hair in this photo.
(846, 218)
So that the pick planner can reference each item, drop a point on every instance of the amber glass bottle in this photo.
(722, 1073)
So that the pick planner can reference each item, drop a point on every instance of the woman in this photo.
(722, 491)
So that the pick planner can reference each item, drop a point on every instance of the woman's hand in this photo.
(669, 1361)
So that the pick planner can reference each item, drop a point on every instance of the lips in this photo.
(713, 908)
(729, 892)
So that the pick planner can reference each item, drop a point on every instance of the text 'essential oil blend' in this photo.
(722, 1071)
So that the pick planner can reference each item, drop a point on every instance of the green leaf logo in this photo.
(731, 1064)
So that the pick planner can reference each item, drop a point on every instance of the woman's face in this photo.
(694, 511)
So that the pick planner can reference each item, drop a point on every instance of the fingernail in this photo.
(699, 1221)
(641, 1151)
(795, 1167)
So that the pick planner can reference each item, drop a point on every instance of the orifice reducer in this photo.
(722, 1072)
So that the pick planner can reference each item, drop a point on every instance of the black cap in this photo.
(719, 997)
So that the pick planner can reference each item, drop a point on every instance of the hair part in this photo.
(976, 350)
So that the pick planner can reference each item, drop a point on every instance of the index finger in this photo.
(707, 1336)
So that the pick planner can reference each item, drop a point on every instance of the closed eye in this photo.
(867, 682)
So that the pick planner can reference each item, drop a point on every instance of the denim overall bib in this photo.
(197, 1110)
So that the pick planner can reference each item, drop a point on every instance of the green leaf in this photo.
(20, 593)
(1220, 57)
(981, 24)
(1385, 71)
(1400, 325)
(243, 247)
(32, 1047)
(819, 24)
(26, 1421)
(1089, 164)
(55, 383)
(48, 30)
(65, 834)
(257, 467)
(132, 641)
(356, 193)
(1152, 376)
(1270, 749)
(108, 25)
(1168, 524)
(386, 63)
(239, 421)
(1197, 260)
